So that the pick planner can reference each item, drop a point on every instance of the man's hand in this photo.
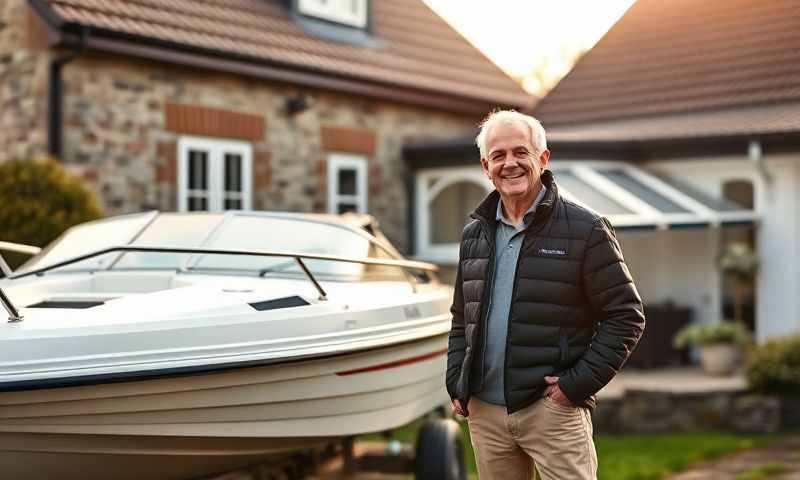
(554, 392)
(458, 409)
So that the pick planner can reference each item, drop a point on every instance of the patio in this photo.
(678, 380)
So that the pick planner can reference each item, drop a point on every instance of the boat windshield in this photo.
(237, 231)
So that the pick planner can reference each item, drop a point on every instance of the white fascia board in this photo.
(739, 216)
(635, 221)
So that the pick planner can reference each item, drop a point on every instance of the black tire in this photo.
(440, 451)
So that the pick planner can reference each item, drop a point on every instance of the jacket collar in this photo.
(487, 210)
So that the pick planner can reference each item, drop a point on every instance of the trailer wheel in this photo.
(440, 451)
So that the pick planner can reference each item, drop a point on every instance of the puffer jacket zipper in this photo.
(528, 235)
(485, 303)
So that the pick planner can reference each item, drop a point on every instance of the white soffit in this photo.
(633, 199)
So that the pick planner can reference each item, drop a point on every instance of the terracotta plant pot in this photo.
(720, 359)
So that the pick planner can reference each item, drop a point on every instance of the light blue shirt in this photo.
(507, 244)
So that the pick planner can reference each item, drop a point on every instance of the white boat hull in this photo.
(179, 427)
(203, 351)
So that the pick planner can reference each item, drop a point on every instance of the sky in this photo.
(535, 41)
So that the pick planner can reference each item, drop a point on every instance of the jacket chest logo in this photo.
(553, 252)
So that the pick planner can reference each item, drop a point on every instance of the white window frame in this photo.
(341, 161)
(216, 148)
(337, 11)
(429, 184)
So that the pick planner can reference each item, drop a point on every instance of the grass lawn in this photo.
(649, 457)
(640, 457)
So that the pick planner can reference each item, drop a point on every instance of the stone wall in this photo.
(641, 411)
(24, 62)
(118, 137)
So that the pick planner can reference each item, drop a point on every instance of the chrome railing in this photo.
(405, 265)
(13, 313)
(5, 271)
(18, 247)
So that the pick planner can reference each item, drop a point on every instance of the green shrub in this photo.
(698, 334)
(774, 367)
(38, 201)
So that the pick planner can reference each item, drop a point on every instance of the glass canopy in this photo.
(633, 199)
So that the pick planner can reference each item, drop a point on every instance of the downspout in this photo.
(55, 131)
(756, 156)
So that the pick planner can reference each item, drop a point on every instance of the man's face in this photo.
(511, 162)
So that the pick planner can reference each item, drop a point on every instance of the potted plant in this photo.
(720, 344)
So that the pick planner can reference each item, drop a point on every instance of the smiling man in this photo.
(545, 313)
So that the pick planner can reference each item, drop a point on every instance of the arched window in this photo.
(450, 209)
(444, 199)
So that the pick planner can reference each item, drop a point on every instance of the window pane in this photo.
(198, 170)
(347, 181)
(450, 211)
(233, 172)
(90, 237)
(642, 191)
(587, 194)
(710, 201)
(347, 207)
(348, 12)
(170, 230)
(246, 232)
(198, 204)
(233, 204)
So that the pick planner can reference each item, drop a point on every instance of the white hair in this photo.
(538, 139)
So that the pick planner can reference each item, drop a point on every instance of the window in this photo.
(445, 197)
(91, 237)
(352, 13)
(214, 175)
(450, 210)
(347, 183)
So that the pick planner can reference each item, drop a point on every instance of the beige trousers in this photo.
(554, 438)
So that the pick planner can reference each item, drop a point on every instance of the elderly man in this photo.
(545, 313)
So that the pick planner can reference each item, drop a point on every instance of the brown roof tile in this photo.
(679, 56)
(414, 48)
(756, 120)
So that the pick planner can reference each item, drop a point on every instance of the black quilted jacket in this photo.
(575, 311)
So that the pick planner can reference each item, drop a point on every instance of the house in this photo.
(682, 125)
(298, 105)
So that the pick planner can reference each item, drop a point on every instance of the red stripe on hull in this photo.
(395, 364)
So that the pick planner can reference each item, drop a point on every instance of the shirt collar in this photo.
(526, 219)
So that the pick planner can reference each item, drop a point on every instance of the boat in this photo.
(163, 345)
